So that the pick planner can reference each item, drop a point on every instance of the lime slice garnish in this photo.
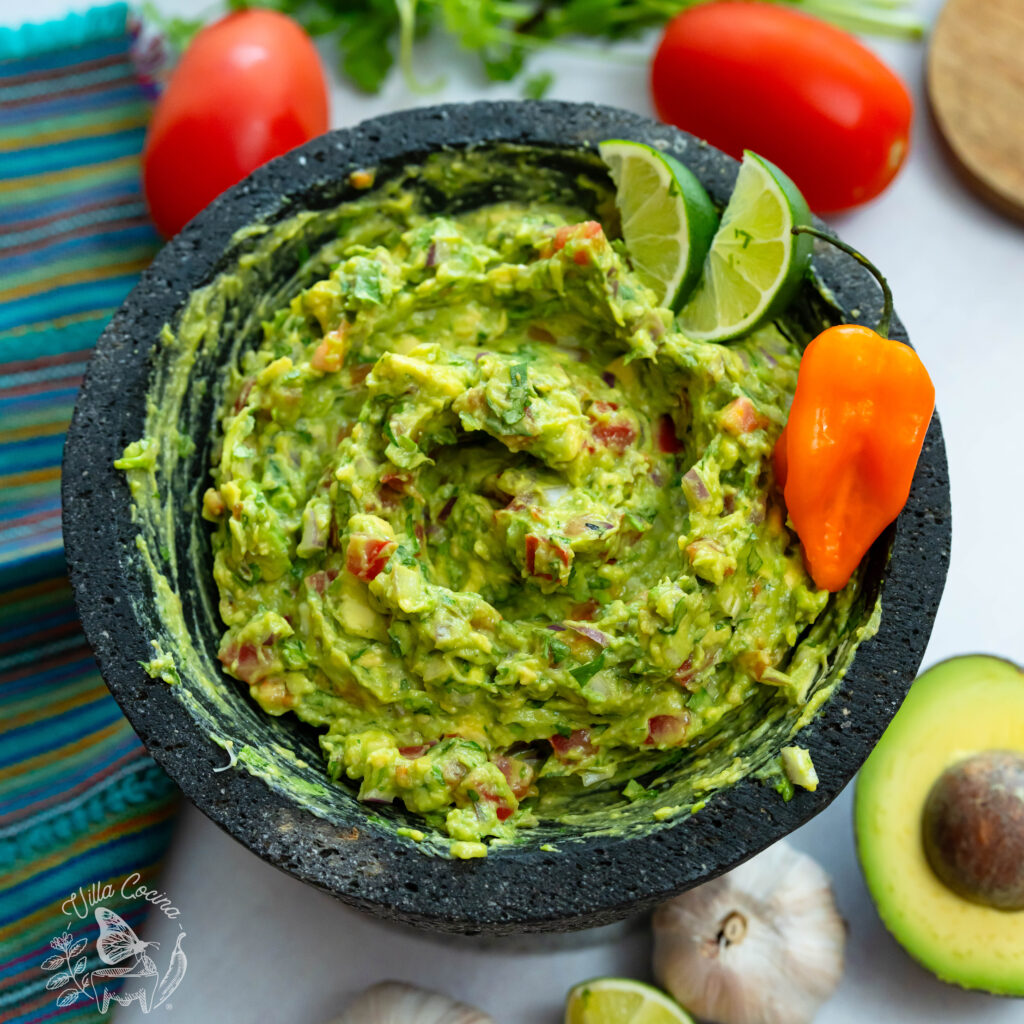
(621, 1001)
(755, 263)
(668, 220)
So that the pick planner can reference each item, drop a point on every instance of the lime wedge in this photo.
(668, 220)
(621, 1001)
(755, 265)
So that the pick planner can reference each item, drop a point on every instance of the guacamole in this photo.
(488, 520)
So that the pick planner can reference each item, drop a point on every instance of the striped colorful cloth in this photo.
(85, 815)
(74, 236)
(81, 805)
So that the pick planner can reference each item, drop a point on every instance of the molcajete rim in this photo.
(591, 882)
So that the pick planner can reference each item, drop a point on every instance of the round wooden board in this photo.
(976, 86)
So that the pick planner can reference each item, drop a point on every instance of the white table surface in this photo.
(262, 947)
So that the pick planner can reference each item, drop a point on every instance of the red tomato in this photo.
(413, 752)
(319, 581)
(572, 747)
(249, 88)
(668, 442)
(541, 554)
(502, 810)
(617, 436)
(792, 88)
(740, 417)
(667, 730)
(367, 556)
(518, 774)
(247, 662)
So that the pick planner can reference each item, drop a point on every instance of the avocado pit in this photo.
(973, 829)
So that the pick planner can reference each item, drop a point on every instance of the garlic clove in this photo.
(395, 1002)
(763, 944)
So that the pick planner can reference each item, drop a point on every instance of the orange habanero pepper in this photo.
(847, 455)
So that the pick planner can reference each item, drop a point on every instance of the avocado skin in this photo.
(959, 709)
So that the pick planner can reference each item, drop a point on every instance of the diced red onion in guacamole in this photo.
(694, 486)
(590, 633)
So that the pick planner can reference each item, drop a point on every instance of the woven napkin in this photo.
(85, 814)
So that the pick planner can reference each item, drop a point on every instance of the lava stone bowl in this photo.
(262, 779)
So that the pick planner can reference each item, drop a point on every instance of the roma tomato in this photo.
(794, 89)
(249, 87)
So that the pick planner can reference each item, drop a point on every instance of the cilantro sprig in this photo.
(517, 397)
(518, 394)
(369, 33)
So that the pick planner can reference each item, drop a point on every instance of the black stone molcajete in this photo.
(593, 877)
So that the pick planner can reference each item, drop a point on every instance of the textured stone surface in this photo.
(594, 879)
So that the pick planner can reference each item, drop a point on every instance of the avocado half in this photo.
(959, 709)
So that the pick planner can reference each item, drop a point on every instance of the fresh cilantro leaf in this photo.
(365, 44)
(502, 63)
(584, 673)
(699, 700)
(366, 285)
(754, 560)
(404, 555)
(634, 791)
(536, 86)
(293, 653)
(518, 394)
(397, 645)
(637, 522)
(555, 649)
(178, 32)
(500, 33)
(677, 614)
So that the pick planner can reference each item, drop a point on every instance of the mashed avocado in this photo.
(491, 522)
(484, 519)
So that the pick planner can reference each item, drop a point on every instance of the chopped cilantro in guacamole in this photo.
(486, 518)
(491, 524)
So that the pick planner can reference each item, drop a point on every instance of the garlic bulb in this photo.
(394, 1002)
(760, 945)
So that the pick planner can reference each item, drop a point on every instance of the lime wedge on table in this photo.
(755, 264)
(621, 1001)
(668, 220)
